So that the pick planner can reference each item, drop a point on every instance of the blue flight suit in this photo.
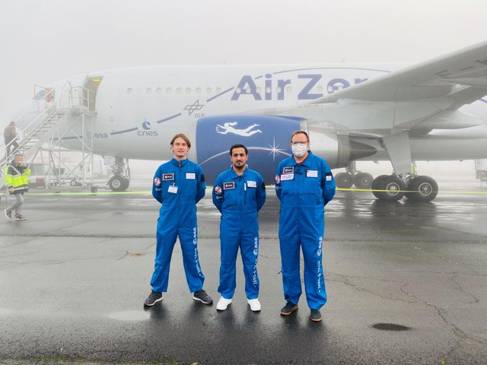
(178, 186)
(239, 199)
(303, 189)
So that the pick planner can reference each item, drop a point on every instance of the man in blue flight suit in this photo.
(239, 193)
(178, 185)
(304, 185)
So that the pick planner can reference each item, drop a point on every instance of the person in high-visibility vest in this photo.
(16, 177)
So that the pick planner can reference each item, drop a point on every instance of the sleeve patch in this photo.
(218, 190)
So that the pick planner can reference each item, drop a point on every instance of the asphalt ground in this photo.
(406, 285)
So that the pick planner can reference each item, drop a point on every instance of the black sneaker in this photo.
(203, 297)
(8, 213)
(315, 315)
(152, 299)
(19, 217)
(289, 309)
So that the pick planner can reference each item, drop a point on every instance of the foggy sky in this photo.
(42, 41)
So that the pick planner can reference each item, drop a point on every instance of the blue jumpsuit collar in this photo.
(306, 160)
(179, 163)
(234, 175)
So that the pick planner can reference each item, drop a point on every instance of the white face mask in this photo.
(299, 149)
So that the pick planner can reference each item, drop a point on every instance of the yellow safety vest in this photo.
(18, 181)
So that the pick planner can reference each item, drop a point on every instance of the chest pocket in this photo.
(311, 189)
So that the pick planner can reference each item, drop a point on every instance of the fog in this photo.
(46, 40)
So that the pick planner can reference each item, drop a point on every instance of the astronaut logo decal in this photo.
(157, 181)
(231, 128)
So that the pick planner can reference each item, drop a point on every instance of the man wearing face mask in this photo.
(304, 185)
(178, 185)
(239, 193)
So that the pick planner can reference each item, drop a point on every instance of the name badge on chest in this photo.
(251, 184)
(190, 176)
(312, 173)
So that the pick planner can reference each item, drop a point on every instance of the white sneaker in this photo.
(254, 305)
(223, 304)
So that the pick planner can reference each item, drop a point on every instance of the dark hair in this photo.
(299, 132)
(239, 146)
(183, 136)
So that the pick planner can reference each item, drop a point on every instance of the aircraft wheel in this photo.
(392, 187)
(344, 180)
(377, 184)
(118, 183)
(423, 189)
(363, 180)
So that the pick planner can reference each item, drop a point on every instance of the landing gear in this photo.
(422, 189)
(118, 183)
(415, 188)
(344, 180)
(361, 180)
(121, 175)
(391, 187)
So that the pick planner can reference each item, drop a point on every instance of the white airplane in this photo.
(352, 113)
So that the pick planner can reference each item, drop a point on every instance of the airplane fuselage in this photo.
(136, 111)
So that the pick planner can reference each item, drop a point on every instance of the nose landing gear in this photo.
(120, 180)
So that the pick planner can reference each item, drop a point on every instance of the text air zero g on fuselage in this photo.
(311, 86)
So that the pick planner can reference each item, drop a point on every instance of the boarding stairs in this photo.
(43, 126)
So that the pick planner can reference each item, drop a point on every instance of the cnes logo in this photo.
(146, 130)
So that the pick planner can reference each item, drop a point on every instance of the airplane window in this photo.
(158, 90)
(209, 90)
(168, 90)
(198, 90)
(179, 90)
(218, 90)
(148, 90)
(188, 90)
(129, 90)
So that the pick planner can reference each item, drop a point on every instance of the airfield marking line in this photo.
(147, 192)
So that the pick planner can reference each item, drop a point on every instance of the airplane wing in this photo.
(461, 76)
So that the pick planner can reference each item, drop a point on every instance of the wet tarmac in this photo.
(407, 284)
